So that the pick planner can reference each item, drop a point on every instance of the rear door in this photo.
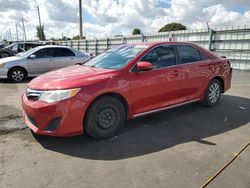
(195, 70)
(64, 57)
(159, 87)
(43, 62)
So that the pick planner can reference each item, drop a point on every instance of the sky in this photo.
(106, 18)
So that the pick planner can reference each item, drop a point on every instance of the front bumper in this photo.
(4, 72)
(64, 118)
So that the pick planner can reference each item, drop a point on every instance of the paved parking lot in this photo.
(181, 147)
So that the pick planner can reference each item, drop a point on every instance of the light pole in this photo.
(80, 18)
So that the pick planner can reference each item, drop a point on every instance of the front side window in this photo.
(116, 58)
(14, 47)
(189, 54)
(160, 57)
(44, 53)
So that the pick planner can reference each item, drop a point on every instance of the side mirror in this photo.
(144, 66)
(32, 56)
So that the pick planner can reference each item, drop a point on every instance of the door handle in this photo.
(175, 73)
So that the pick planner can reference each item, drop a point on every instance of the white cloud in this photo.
(117, 16)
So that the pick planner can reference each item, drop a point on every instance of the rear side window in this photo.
(160, 57)
(203, 57)
(63, 52)
(189, 54)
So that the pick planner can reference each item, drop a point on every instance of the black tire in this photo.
(212, 93)
(4, 54)
(105, 117)
(17, 74)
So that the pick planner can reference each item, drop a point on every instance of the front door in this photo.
(159, 87)
(42, 62)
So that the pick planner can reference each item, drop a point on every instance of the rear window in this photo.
(189, 54)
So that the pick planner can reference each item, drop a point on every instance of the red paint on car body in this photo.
(143, 91)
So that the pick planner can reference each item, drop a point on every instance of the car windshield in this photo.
(10, 46)
(116, 58)
(30, 51)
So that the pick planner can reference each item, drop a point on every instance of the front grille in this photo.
(33, 94)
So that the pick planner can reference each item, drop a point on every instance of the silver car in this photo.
(39, 60)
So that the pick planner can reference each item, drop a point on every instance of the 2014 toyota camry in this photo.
(123, 83)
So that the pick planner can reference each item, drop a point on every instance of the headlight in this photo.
(2, 64)
(58, 95)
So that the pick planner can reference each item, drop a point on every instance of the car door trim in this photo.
(164, 108)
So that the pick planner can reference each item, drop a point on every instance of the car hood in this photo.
(70, 77)
(9, 59)
(5, 49)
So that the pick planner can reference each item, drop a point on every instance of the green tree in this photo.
(136, 31)
(65, 38)
(77, 37)
(40, 32)
(172, 27)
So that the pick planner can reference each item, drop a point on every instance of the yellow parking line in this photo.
(223, 168)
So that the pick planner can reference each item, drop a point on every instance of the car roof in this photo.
(54, 46)
(150, 44)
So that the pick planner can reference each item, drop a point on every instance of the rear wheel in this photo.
(17, 74)
(105, 117)
(212, 94)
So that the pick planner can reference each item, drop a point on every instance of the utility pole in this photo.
(208, 28)
(16, 33)
(39, 16)
(80, 16)
(24, 33)
(10, 36)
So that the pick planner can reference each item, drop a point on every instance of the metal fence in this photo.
(232, 42)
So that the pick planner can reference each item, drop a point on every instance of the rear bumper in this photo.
(64, 118)
(228, 80)
(4, 72)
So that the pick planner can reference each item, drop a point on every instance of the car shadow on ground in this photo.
(8, 81)
(158, 131)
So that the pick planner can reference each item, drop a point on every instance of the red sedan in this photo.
(122, 83)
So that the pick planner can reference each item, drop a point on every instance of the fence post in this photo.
(107, 43)
(96, 47)
(143, 38)
(122, 39)
(170, 36)
(86, 45)
(210, 42)
(78, 45)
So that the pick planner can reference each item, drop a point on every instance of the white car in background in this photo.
(39, 60)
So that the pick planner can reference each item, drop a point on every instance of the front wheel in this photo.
(17, 74)
(105, 117)
(212, 93)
